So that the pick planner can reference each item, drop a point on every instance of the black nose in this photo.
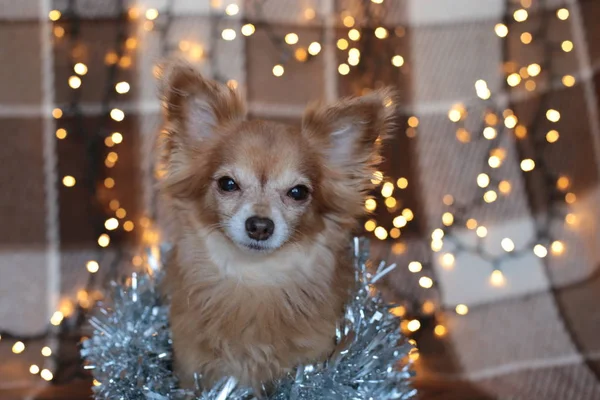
(259, 228)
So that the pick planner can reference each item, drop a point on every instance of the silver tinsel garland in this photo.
(130, 352)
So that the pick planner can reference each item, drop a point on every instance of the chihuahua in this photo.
(263, 214)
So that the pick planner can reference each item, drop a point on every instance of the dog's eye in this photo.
(298, 193)
(227, 184)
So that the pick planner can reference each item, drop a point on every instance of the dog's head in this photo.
(264, 184)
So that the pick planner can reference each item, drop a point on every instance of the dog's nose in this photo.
(259, 228)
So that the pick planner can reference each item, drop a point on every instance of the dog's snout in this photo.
(259, 228)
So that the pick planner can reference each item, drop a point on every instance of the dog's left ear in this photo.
(350, 130)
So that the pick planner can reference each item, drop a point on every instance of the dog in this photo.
(262, 213)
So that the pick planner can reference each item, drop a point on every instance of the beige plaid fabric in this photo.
(537, 338)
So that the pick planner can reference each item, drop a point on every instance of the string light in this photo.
(381, 233)
(482, 90)
(447, 260)
(370, 204)
(567, 46)
(348, 21)
(552, 136)
(399, 221)
(510, 121)
(103, 240)
(399, 311)
(80, 69)
(534, 69)
(116, 138)
(370, 225)
(59, 31)
(57, 113)
(483, 180)
(111, 224)
(381, 33)
(56, 318)
(314, 48)
(117, 114)
(425, 282)
(489, 133)
(34, 369)
(526, 38)
(494, 161)
(448, 200)
(415, 266)
(387, 189)
(300, 54)
(530, 85)
(377, 178)
(278, 70)
(74, 82)
(395, 233)
(397, 61)
(497, 278)
(46, 351)
(504, 187)
(248, 29)
(151, 14)
(540, 251)
(557, 247)
(481, 231)
(408, 214)
(440, 330)
(92, 266)
(456, 113)
(527, 165)
(342, 44)
(414, 324)
(520, 15)
(471, 223)
(571, 219)
(344, 69)
(128, 226)
(513, 79)
(61, 133)
(291, 38)
(507, 245)
(570, 198)
(553, 115)
(520, 131)
(18, 347)
(447, 219)
(501, 30)
(46, 375)
(354, 34)
(122, 87)
(309, 13)
(121, 213)
(232, 9)
(228, 34)
(568, 80)
(377, 1)
(54, 15)
(562, 14)
(462, 309)
(68, 181)
(563, 183)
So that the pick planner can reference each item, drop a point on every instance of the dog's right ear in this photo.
(195, 106)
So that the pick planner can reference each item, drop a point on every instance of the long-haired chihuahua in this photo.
(263, 214)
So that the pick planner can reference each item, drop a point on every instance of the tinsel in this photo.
(130, 352)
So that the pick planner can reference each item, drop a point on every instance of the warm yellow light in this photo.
(381, 33)
(397, 61)
(425, 282)
(74, 82)
(128, 226)
(428, 307)
(104, 240)
(513, 79)
(527, 165)
(57, 113)
(563, 183)
(534, 69)
(46, 351)
(112, 157)
(552, 136)
(413, 325)
(568, 80)
(490, 196)
(111, 224)
(526, 38)
(354, 53)
(507, 245)
(114, 204)
(471, 223)
(232, 9)
(46, 375)
(553, 115)
(111, 58)
(510, 121)
(248, 29)
(92, 266)
(395, 233)
(399, 311)
(504, 187)
(80, 69)
(342, 44)
(117, 114)
(151, 14)
(437, 245)
(415, 266)
(520, 131)
(377, 1)
(390, 202)
(348, 21)
(34, 369)
(483, 180)
(109, 183)
(344, 69)
(571, 219)
(61, 133)
(447, 260)
(69, 181)
(370, 204)
(56, 318)
(567, 46)
(481, 231)
(562, 14)
(402, 183)
(354, 34)
(54, 15)
(494, 161)
(291, 38)
(301, 54)
(314, 48)
(18, 347)
(437, 234)
(540, 250)
(377, 178)
(440, 330)
(447, 219)
(448, 200)
(398, 248)
(408, 214)
(387, 189)
(413, 122)
(520, 15)
(454, 114)
(122, 87)
(489, 133)
(399, 221)
(310, 13)
(557, 247)
(381, 233)
(278, 70)
(228, 34)
(570, 198)
(501, 30)
(370, 225)
(121, 213)
(462, 309)
(463, 135)
(59, 31)
(497, 278)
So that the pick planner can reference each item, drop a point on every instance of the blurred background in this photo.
(487, 201)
